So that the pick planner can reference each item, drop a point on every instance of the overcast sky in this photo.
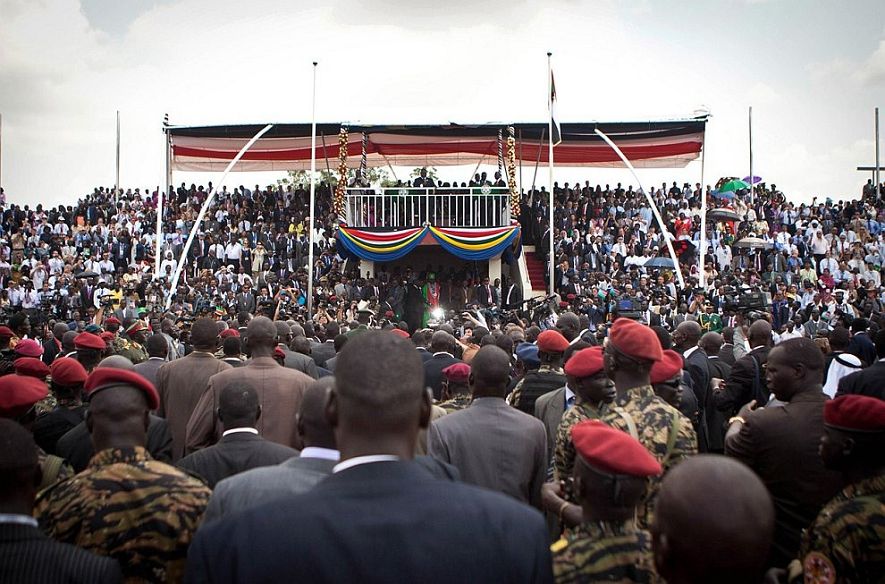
(813, 72)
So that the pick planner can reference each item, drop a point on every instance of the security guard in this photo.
(132, 347)
(125, 505)
(611, 474)
(548, 377)
(456, 392)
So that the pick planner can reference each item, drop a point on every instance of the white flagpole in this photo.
(550, 165)
(313, 170)
(751, 154)
(876, 190)
(117, 179)
(702, 277)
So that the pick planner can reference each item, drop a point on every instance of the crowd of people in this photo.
(628, 429)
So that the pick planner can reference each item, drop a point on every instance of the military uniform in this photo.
(54, 468)
(534, 385)
(661, 428)
(125, 505)
(564, 451)
(711, 322)
(846, 543)
(604, 551)
(459, 402)
(132, 351)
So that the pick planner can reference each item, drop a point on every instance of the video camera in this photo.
(745, 300)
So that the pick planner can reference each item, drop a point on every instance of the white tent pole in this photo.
(210, 196)
(702, 276)
(651, 203)
(552, 264)
(313, 170)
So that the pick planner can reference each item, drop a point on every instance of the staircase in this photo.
(536, 272)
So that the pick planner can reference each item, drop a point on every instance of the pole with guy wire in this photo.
(313, 170)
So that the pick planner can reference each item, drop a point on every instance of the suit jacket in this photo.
(865, 382)
(726, 353)
(279, 392)
(322, 352)
(397, 517)
(863, 348)
(249, 489)
(27, 556)
(425, 354)
(486, 297)
(330, 363)
(51, 350)
(181, 384)
(776, 442)
(495, 446)
(300, 362)
(699, 369)
(739, 385)
(76, 445)
(433, 372)
(715, 418)
(549, 408)
(235, 453)
(148, 369)
(245, 302)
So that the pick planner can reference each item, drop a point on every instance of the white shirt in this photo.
(359, 460)
(318, 452)
(18, 519)
(240, 430)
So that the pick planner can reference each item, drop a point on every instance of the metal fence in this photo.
(440, 207)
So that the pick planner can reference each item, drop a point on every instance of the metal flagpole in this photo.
(651, 202)
(703, 251)
(878, 182)
(538, 159)
(313, 170)
(550, 165)
(211, 195)
(520, 162)
(751, 154)
(1, 149)
(117, 179)
(161, 201)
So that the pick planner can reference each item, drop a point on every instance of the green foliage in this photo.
(375, 176)
(431, 172)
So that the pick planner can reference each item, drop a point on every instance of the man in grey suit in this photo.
(322, 352)
(293, 360)
(490, 443)
(292, 477)
(549, 408)
(157, 349)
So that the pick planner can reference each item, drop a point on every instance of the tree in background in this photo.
(376, 177)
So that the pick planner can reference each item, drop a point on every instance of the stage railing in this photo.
(441, 207)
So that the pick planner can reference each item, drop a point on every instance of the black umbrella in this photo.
(659, 262)
(723, 215)
(85, 274)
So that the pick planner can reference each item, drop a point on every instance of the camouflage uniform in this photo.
(125, 505)
(132, 351)
(564, 451)
(604, 551)
(548, 376)
(54, 468)
(846, 543)
(661, 428)
(459, 402)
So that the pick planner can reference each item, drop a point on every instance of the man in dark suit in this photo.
(867, 381)
(246, 299)
(512, 296)
(157, 348)
(549, 408)
(492, 444)
(27, 556)
(746, 381)
(486, 295)
(322, 352)
(240, 447)
(296, 475)
(442, 345)
(726, 352)
(685, 340)
(52, 346)
(293, 359)
(396, 512)
(711, 343)
(861, 346)
(781, 444)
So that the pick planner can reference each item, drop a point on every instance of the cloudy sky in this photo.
(813, 72)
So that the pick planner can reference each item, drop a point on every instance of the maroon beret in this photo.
(279, 353)
(109, 377)
(6, 332)
(855, 413)
(107, 336)
(136, 327)
(18, 393)
(31, 367)
(112, 320)
(585, 362)
(551, 341)
(635, 340)
(28, 348)
(457, 372)
(66, 372)
(229, 332)
(401, 333)
(612, 451)
(89, 341)
(666, 368)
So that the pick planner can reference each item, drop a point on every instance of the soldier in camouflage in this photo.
(611, 472)
(846, 542)
(548, 377)
(132, 345)
(455, 390)
(125, 505)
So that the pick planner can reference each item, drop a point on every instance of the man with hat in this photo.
(455, 388)
(709, 319)
(666, 377)
(68, 376)
(90, 349)
(125, 505)
(593, 390)
(548, 377)
(846, 542)
(132, 345)
(611, 475)
(629, 355)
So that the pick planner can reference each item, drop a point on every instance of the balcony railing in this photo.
(441, 207)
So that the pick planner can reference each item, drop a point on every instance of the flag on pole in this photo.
(554, 133)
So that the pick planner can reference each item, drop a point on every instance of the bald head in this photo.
(67, 341)
(687, 334)
(261, 336)
(441, 341)
(714, 522)
(238, 406)
(301, 345)
(59, 330)
(116, 362)
(569, 325)
(204, 334)
(313, 427)
(284, 333)
(759, 334)
(118, 417)
(710, 343)
(490, 372)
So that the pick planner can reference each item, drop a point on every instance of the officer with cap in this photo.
(548, 377)
(611, 476)
(846, 542)
(593, 390)
(132, 346)
(125, 505)
(455, 387)
(630, 353)
(68, 376)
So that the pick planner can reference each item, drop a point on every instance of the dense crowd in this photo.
(628, 429)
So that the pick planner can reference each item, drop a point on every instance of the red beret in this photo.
(401, 333)
(458, 372)
(571, 296)
(135, 327)
(635, 340)
(855, 413)
(585, 362)
(229, 332)
(389, 314)
(18, 393)
(6, 332)
(666, 368)
(28, 348)
(551, 341)
(89, 341)
(108, 377)
(563, 304)
(112, 320)
(612, 451)
(31, 367)
(107, 336)
(279, 352)
(66, 372)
